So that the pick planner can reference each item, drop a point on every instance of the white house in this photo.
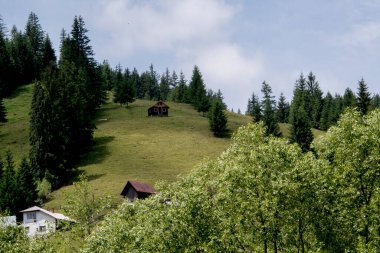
(38, 221)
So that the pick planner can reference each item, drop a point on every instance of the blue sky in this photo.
(236, 44)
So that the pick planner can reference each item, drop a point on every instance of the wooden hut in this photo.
(159, 109)
(136, 190)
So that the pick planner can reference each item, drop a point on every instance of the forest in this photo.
(265, 193)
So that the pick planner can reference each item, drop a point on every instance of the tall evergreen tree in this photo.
(283, 108)
(3, 112)
(327, 117)
(218, 119)
(26, 186)
(301, 129)
(197, 90)
(255, 108)
(8, 186)
(349, 98)
(314, 100)
(173, 80)
(363, 97)
(48, 57)
(5, 63)
(164, 85)
(376, 101)
(269, 114)
(35, 35)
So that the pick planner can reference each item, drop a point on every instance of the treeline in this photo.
(128, 85)
(23, 56)
(263, 194)
(66, 95)
(309, 108)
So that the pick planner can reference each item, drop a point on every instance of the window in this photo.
(42, 228)
(31, 216)
(163, 109)
(155, 109)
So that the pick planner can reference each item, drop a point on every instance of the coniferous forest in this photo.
(266, 193)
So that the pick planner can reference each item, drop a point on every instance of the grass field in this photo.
(128, 144)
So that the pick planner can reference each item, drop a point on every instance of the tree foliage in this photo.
(218, 119)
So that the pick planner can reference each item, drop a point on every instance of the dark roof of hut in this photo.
(159, 104)
(139, 187)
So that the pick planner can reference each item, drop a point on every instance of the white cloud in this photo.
(190, 31)
(360, 35)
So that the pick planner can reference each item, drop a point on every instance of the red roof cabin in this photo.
(136, 190)
(159, 109)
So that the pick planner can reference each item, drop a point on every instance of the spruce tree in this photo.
(48, 54)
(327, 117)
(197, 90)
(363, 97)
(283, 108)
(182, 89)
(313, 100)
(255, 108)
(26, 186)
(5, 63)
(35, 36)
(269, 114)
(375, 101)
(3, 113)
(164, 85)
(349, 98)
(301, 128)
(218, 119)
(8, 186)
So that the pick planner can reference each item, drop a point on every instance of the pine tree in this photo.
(269, 115)
(218, 119)
(301, 129)
(363, 97)
(35, 35)
(26, 186)
(8, 186)
(173, 80)
(164, 85)
(5, 63)
(314, 100)
(283, 108)
(3, 113)
(327, 117)
(182, 89)
(255, 108)
(349, 98)
(197, 90)
(376, 101)
(48, 54)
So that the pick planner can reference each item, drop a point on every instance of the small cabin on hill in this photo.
(136, 190)
(159, 109)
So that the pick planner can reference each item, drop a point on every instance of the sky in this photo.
(236, 44)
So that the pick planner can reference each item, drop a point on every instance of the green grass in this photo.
(128, 144)
(14, 134)
(131, 146)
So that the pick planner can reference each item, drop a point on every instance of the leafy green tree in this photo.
(350, 147)
(218, 119)
(269, 113)
(82, 206)
(301, 128)
(282, 110)
(363, 97)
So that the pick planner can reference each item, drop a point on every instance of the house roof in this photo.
(139, 187)
(57, 216)
(159, 104)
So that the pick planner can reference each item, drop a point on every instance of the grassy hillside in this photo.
(128, 144)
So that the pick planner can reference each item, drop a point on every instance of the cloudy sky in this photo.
(236, 44)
